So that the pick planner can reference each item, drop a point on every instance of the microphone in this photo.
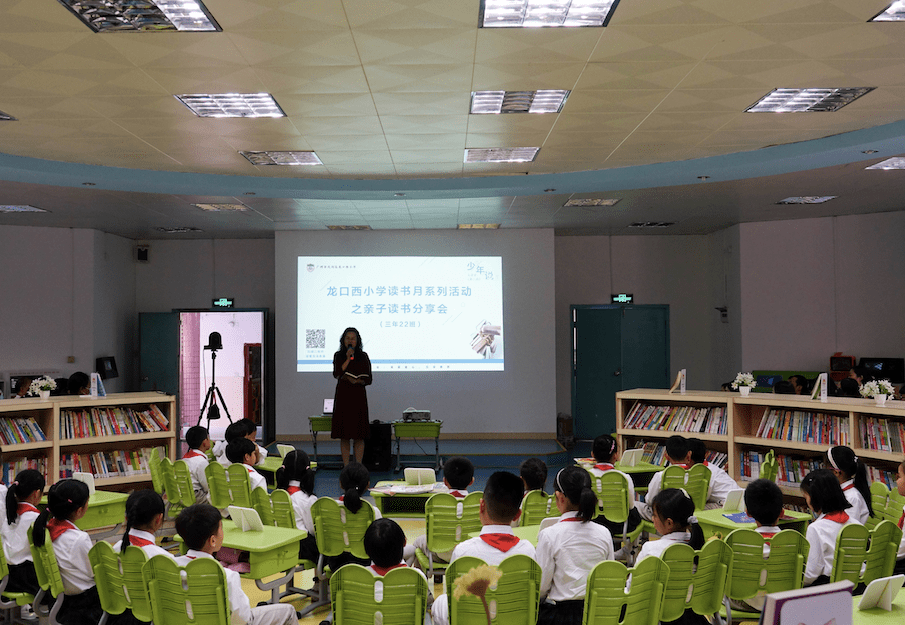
(352, 356)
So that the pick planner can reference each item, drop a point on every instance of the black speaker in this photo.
(378, 454)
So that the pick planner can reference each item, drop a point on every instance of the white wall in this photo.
(519, 399)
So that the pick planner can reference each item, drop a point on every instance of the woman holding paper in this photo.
(352, 370)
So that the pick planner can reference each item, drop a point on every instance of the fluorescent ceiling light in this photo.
(179, 230)
(20, 208)
(349, 227)
(6, 117)
(896, 162)
(895, 12)
(500, 155)
(540, 101)
(221, 208)
(652, 224)
(478, 226)
(807, 199)
(126, 15)
(232, 104)
(282, 158)
(592, 202)
(545, 13)
(807, 100)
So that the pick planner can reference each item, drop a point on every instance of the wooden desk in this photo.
(713, 521)
(105, 509)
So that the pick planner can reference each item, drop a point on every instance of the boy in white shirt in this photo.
(242, 450)
(720, 482)
(678, 452)
(199, 443)
(243, 428)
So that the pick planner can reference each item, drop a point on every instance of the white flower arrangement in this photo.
(878, 387)
(743, 379)
(44, 383)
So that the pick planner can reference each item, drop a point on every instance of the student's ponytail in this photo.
(697, 534)
(63, 499)
(38, 528)
(12, 504)
(678, 506)
(603, 448)
(27, 481)
(843, 459)
(575, 485)
(354, 480)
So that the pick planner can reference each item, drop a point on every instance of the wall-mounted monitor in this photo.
(892, 369)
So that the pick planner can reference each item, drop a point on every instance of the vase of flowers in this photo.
(743, 383)
(878, 389)
(42, 386)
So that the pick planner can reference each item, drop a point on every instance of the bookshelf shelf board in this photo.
(100, 482)
(664, 434)
(9, 449)
(877, 455)
(119, 438)
(781, 445)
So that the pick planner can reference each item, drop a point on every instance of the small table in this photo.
(641, 473)
(417, 429)
(319, 423)
(713, 521)
(402, 504)
(105, 509)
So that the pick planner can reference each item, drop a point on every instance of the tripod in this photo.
(214, 412)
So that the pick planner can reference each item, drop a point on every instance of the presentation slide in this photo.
(414, 313)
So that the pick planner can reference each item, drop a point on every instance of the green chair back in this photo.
(864, 555)
(359, 596)
(887, 505)
(283, 512)
(218, 485)
(239, 485)
(752, 573)
(177, 497)
(119, 581)
(337, 530)
(183, 477)
(48, 573)
(447, 522)
(697, 579)
(512, 601)
(262, 505)
(608, 603)
(193, 594)
(157, 480)
(695, 481)
(612, 493)
(537, 506)
(769, 468)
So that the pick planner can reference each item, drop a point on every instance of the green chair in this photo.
(607, 602)
(769, 467)
(614, 502)
(447, 522)
(754, 574)
(864, 555)
(512, 601)
(119, 582)
(48, 573)
(11, 602)
(362, 598)
(695, 481)
(229, 486)
(193, 594)
(697, 579)
(537, 506)
(157, 481)
(178, 483)
(887, 505)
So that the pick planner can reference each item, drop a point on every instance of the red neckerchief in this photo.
(250, 470)
(571, 518)
(193, 453)
(24, 507)
(458, 494)
(383, 570)
(901, 520)
(836, 517)
(705, 463)
(767, 535)
(57, 528)
(341, 497)
(848, 487)
(501, 541)
(604, 466)
(293, 490)
(139, 541)
(684, 466)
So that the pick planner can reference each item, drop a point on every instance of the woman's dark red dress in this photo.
(350, 403)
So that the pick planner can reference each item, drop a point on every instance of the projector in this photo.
(413, 414)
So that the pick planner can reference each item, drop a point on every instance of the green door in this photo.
(615, 348)
(159, 352)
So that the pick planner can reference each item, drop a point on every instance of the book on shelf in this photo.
(677, 418)
(111, 421)
(19, 430)
(881, 434)
(804, 426)
(107, 464)
(12, 468)
(876, 474)
(790, 469)
(655, 453)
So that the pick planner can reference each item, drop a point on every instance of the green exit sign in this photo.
(223, 302)
(622, 298)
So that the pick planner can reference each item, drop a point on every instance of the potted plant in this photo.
(42, 386)
(878, 389)
(743, 383)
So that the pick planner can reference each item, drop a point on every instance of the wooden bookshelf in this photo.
(48, 453)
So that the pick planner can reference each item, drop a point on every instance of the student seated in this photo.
(297, 478)
(458, 475)
(384, 541)
(720, 482)
(783, 387)
(201, 528)
(22, 499)
(199, 443)
(79, 383)
(677, 452)
(852, 476)
(242, 451)
(800, 384)
(606, 452)
(534, 474)
(499, 507)
(243, 428)
(354, 480)
(144, 516)
(569, 550)
(825, 498)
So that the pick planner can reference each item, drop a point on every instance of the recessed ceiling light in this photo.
(496, 102)
(807, 199)
(868, 151)
(500, 155)
(232, 104)
(125, 15)
(589, 202)
(807, 100)
(896, 162)
(895, 12)
(545, 13)
(20, 208)
(180, 230)
(399, 194)
(89, 184)
(703, 177)
(652, 224)
(282, 158)
(349, 227)
(6, 117)
(221, 208)
(478, 226)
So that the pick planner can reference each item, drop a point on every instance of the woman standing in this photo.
(352, 370)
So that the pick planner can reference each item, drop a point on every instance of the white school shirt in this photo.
(255, 479)
(597, 471)
(238, 600)
(301, 505)
(15, 539)
(151, 550)
(567, 551)
(220, 454)
(821, 536)
(197, 461)
(858, 511)
(657, 547)
(71, 550)
(720, 484)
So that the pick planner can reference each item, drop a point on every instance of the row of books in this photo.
(11, 469)
(882, 434)
(101, 464)
(804, 427)
(876, 474)
(655, 453)
(707, 420)
(111, 421)
(18, 430)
